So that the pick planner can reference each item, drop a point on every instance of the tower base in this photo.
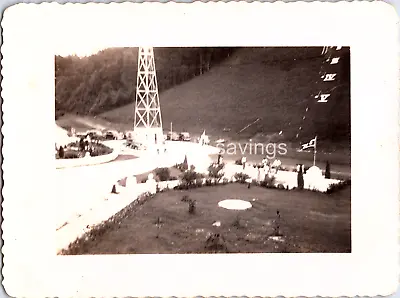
(149, 138)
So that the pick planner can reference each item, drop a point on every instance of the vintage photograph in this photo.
(204, 149)
(200, 150)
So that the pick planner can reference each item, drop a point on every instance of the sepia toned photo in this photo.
(204, 150)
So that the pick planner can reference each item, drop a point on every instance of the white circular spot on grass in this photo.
(235, 204)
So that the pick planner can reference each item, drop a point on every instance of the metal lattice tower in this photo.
(147, 123)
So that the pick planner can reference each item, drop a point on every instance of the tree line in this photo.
(98, 83)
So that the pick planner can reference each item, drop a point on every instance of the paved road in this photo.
(80, 188)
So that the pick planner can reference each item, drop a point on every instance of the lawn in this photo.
(309, 222)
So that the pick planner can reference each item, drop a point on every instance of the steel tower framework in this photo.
(147, 123)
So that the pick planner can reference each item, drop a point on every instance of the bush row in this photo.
(73, 150)
(336, 187)
(191, 179)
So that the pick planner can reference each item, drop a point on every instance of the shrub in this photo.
(185, 198)
(100, 149)
(192, 206)
(277, 231)
(269, 182)
(215, 171)
(189, 177)
(163, 174)
(61, 152)
(335, 187)
(328, 170)
(181, 167)
(215, 242)
(238, 162)
(71, 154)
(208, 182)
(199, 182)
(236, 223)
(181, 187)
(280, 186)
(300, 180)
(82, 144)
(241, 177)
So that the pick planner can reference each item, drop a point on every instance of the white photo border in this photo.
(33, 34)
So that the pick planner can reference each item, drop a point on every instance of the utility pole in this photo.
(315, 150)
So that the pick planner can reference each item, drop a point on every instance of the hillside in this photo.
(107, 80)
(273, 84)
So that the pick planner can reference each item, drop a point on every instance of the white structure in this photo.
(313, 179)
(151, 184)
(204, 139)
(235, 204)
(147, 124)
(62, 138)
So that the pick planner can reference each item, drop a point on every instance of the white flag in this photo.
(310, 144)
(335, 60)
(323, 97)
(329, 77)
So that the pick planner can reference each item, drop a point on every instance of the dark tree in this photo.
(300, 180)
(61, 152)
(185, 164)
(82, 144)
(328, 170)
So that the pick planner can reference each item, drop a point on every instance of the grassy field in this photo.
(273, 84)
(309, 222)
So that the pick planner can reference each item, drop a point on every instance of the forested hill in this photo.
(216, 88)
(276, 85)
(107, 80)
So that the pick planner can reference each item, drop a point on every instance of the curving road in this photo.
(81, 188)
